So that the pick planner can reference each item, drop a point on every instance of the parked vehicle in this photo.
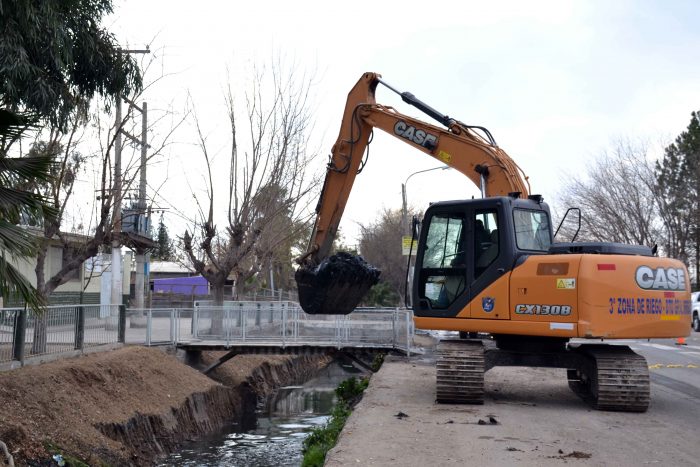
(695, 300)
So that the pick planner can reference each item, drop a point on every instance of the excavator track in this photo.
(460, 372)
(617, 378)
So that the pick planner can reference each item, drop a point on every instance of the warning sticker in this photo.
(566, 283)
(444, 157)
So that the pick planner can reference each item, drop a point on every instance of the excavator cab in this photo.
(465, 246)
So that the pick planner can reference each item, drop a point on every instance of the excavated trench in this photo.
(233, 403)
(284, 421)
(134, 405)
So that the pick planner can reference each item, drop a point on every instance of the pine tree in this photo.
(678, 179)
(164, 250)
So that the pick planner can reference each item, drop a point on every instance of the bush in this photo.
(350, 390)
(322, 439)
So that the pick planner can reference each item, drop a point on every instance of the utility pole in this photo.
(116, 292)
(141, 205)
(116, 289)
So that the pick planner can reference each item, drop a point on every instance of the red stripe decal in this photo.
(606, 267)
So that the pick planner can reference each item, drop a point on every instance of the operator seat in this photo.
(490, 254)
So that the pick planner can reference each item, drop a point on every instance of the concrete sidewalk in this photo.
(539, 421)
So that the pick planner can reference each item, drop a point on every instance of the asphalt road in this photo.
(538, 420)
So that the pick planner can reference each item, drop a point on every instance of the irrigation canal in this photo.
(283, 422)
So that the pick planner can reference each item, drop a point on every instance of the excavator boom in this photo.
(335, 285)
(457, 146)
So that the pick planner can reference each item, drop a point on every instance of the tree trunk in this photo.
(39, 340)
(697, 260)
(217, 317)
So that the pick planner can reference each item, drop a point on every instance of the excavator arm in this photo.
(457, 145)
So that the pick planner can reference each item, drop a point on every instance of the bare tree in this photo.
(72, 160)
(617, 198)
(380, 245)
(268, 183)
(73, 155)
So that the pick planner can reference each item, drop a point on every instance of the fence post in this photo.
(195, 323)
(394, 337)
(408, 333)
(284, 327)
(172, 325)
(149, 326)
(227, 317)
(19, 335)
(121, 333)
(244, 321)
(79, 328)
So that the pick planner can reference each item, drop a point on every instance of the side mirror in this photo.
(415, 227)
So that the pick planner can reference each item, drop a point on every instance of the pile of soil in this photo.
(128, 406)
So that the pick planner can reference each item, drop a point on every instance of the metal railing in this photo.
(76, 328)
(58, 329)
(270, 323)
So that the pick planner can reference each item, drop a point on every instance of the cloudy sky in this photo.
(555, 81)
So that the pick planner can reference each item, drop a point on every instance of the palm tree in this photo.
(18, 205)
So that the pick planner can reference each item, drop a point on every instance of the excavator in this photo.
(490, 267)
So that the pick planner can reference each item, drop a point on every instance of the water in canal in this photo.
(283, 423)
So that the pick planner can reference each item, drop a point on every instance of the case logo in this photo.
(420, 137)
(660, 278)
(487, 303)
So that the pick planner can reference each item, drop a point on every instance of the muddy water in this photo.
(282, 424)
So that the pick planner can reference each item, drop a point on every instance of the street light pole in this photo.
(405, 228)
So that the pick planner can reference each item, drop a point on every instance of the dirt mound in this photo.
(126, 406)
(65, 401)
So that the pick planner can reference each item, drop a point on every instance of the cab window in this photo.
(442, 246)
(443, 275)
(531, 229)
(486, 241)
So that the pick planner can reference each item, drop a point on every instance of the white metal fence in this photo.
(75, 328)
(57, 329)
(270, 323)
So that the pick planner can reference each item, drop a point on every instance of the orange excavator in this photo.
(491, 266)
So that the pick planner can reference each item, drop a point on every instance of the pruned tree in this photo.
(268, 183)
(380, 245)
(74, 153)
(678, 184)
(617, 198)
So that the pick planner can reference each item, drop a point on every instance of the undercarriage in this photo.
(608, 377)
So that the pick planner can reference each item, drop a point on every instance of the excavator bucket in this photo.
(336, 286)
